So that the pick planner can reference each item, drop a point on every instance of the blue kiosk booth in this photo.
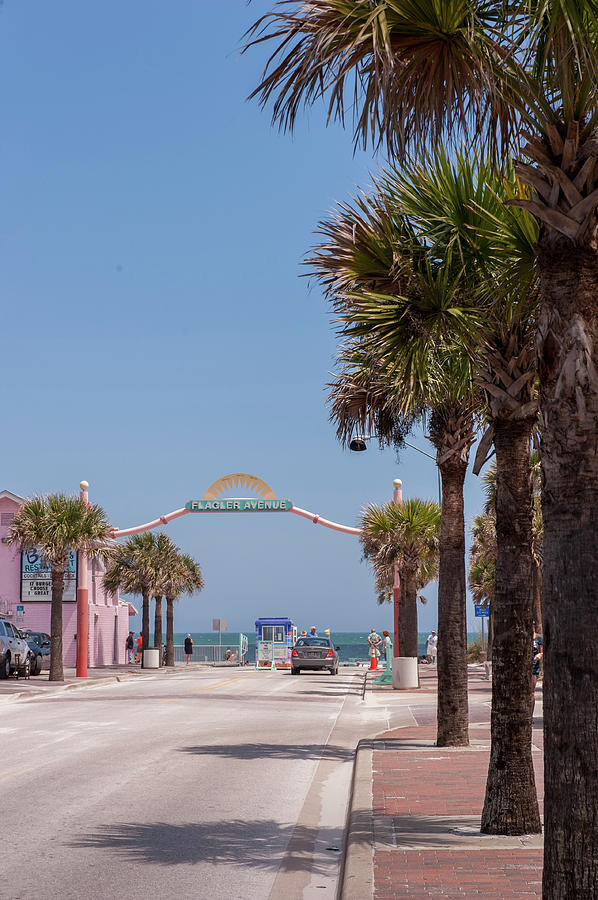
(274, 640)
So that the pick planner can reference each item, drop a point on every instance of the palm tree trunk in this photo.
(490, 632)
(568, 364)
(158, 627)
(169, 631)
(145, 620)
(408, 614)
(56, 663)
(453, 710)
(511, 804)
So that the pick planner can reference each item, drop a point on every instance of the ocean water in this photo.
(353, 644)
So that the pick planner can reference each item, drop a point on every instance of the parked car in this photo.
(314, 653)
(39, 644)
(12, 647)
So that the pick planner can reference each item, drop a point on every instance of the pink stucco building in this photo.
(25, 597)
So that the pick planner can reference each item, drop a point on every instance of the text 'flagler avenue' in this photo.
(239, 505)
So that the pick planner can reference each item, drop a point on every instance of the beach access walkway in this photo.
(415, 809)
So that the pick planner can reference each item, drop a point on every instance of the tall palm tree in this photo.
(56, 525)
(460, 285)
(525, 77)
(401, 315)
(166, 555)
(482, 567)
(406, 535)
(182, 576)
(460, 208)
(134, 569)
(442, 397)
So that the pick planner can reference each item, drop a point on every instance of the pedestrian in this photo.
(188, 647)
(431, 647)
(313, 632)
(227, 655)
(303, 633)
(139, 648)
(538, 653)
(386, 645)
(374, 641)
(129, 644)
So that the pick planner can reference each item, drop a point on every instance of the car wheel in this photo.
(36, 665)
(295, 671)
(5, 668)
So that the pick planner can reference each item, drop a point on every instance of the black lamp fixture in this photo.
(359, 443)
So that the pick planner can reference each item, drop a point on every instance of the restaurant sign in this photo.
(36, 578)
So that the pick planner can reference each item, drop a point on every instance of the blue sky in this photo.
(155, 331)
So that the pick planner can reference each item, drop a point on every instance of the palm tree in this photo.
(56, 525)
(401, 315)
(406, 535)
(182, 576)
(166, 555)
(460, 288)
(134, 569)
(519, 76)
(482, 567)
(460, 207)
(441, 396)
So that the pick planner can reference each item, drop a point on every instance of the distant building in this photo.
(25, 596)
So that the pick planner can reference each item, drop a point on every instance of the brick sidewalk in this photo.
(426, 808)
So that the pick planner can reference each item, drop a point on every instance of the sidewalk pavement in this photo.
(415, 811)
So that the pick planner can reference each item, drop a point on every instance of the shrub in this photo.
(474, 651)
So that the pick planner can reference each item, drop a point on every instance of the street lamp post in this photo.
(82, 601)
(429, 455)
(358, 445)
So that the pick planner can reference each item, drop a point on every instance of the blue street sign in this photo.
(481, 611)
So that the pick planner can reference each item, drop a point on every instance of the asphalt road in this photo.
(200, 784)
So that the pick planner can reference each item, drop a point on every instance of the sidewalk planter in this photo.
(405, 673)
(151, 659)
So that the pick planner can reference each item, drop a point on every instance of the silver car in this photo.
(314, 653)
(14, 651)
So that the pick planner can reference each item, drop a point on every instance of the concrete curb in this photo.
(356, 881)
(106, 679)
(73, 686)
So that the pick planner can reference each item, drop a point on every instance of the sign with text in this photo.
(481, 611)
(36, 578)
(239, 504)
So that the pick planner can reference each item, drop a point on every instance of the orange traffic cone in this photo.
(373, 658)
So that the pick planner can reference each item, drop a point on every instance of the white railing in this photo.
(234, 653)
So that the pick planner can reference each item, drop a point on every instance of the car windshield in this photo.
(313, 642)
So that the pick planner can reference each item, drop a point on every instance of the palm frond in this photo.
(411, 71)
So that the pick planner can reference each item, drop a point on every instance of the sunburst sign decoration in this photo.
(264, 500)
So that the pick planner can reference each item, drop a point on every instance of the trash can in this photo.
(405, 674)
(151, 658)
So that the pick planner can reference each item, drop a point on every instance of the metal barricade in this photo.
(211, 654)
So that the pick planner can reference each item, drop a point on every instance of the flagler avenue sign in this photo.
(238, 504)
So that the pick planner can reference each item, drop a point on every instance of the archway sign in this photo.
(264, 500)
